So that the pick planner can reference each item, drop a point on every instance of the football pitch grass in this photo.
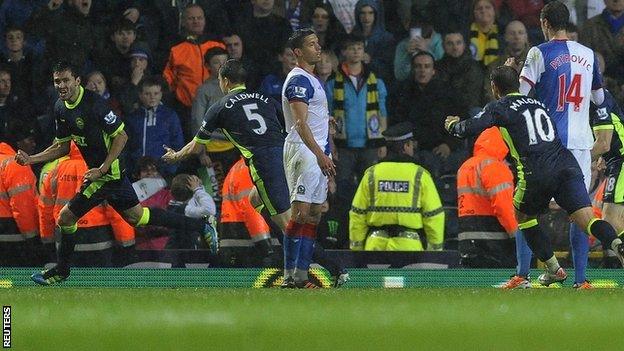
(45, 318)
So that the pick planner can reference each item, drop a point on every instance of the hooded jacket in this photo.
(485, 191)
(379, 44)
(149, 130)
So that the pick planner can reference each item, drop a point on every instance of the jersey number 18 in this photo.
(535, 123)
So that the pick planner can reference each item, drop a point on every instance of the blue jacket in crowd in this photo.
(355, 107)
(149, 130)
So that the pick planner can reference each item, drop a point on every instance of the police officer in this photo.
(396, 206)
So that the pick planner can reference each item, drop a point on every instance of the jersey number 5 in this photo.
(535, 123)
(572, 95)
(250, 112)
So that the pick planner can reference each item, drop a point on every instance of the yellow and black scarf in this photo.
(375, 122)
(486, 44)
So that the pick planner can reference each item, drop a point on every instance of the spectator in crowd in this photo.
(173, 25)
(19, 227)
(604, 33)
(450, 15)
(421, 37)
(610, 84)
(463, 75)
(485, 38)
(13, 108)
(379, 44)
(402, 204)
(114, 56)
(234, 46)
(517, 46)
(357, 100)
(272, 84)
(424, 101)
(263, 33)
(486, 213)
(20, 63)
(96, 82)
(146, 172)
(68, 31)
(139, 68)
(327, 66)
(16, 14)
(345, 13)
(209, 92)
(185, 70)
(152, 126)
(327, 28)
(297, 12)
(527, 12)
(190, 199)
(572, 30)
(97, 230)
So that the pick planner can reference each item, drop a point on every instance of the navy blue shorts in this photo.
(562, 181)
(267, 173)
(614, 190)
(118, 193)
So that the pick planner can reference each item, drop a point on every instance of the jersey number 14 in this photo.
(539, 124)
(572, 95)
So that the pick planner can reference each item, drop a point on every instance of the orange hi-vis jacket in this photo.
(597, 199)
(58, 187)
(485, 191)
(185, 70)
(236, 206)
(18, 198)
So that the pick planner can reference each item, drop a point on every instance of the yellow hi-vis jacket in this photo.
(397, 192)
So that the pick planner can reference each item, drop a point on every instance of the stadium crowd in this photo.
(384, 63)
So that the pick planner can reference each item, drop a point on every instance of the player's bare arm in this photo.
(172, 156)
(300, 114)
(54, 151)
(602, 143)
(117, 145)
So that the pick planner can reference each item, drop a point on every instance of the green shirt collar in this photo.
(75, 103)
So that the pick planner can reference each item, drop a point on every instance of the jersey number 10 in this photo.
(572, 95)
(535, 123)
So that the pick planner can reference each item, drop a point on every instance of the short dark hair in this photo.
(571, 27)
(506, 79)
(295, 41)
(179, 187)
(397, 147)
(422, 53)
(151, 81)
(123, 24)
(234, 70)
(62, 66)
(14, 28)
(352, 39)
(216, 51)
(557, 15)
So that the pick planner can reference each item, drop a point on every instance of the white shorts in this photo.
(306, 182)
(583, 157)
